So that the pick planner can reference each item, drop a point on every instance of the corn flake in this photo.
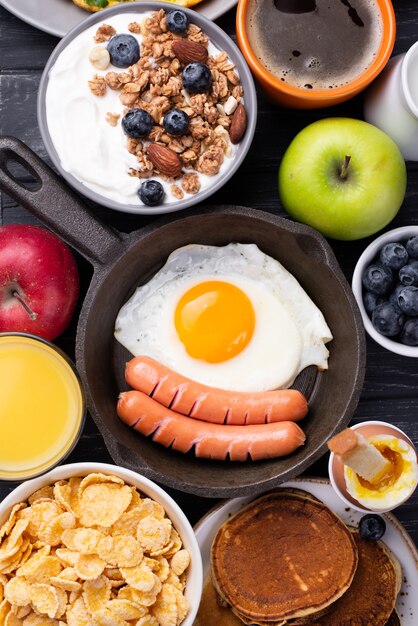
(121, 550)
(44, 599)
(77, 614)
(96, 593)
(82, 540)
(99, 478)
(10, 522)
(180, 562)
(54, 530)
(153, 533)
(165, 607)
(103, 503)
(89, 566)
(46, 492)
(140, 577)
(126, 609)
(17, 591)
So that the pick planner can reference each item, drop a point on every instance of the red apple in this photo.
(39, 281)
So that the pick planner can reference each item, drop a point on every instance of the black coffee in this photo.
(315, 44)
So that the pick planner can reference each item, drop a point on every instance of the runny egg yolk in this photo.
(215, 321)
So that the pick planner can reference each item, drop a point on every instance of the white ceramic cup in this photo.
(391, 103)
(368, 256)
(336, 467)
(194, 582)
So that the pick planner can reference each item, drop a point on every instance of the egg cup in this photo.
(336, 466)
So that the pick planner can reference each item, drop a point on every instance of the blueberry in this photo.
(409, 334)
(408, 274)
(123, 50)
(137, 123)
(408, 300)
(393, 296)
(372, 527)
(371, 301)
(151, 192)
(388, 319)
(197, 77)
(394, 255)
(378, 279)
(412, 247)
(176, 122)
(177, 22)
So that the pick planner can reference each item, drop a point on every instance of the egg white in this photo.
(290, 331)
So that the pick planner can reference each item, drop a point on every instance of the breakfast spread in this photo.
(152, 99)
(380, 472)
(144, 108)
(278, 561)
(41, 407)
(315, 44)
(390, 294)
(91, 550)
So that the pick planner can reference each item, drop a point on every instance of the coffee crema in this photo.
(315, 44)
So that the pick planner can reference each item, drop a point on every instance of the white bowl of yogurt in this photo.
(82, 127)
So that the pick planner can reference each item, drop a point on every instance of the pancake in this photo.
(283, 556)
(372, 595)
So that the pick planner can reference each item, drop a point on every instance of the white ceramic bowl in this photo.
(194, 582)
(221, 41)
(336, 467)
(369, 254)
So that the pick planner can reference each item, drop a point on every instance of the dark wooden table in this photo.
(391, 385)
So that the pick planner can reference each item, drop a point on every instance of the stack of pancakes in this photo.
(287, 560)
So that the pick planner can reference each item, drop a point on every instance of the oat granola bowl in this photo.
(92, 543)
(148, 108)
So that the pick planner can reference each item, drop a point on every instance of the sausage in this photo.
(210, 441)
(210, 404)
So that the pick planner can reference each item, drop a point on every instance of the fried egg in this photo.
(230, 317)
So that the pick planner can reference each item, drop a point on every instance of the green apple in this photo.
(344, 177)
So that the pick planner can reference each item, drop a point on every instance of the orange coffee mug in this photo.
(294, 97)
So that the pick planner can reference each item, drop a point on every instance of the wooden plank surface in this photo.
(391, 386)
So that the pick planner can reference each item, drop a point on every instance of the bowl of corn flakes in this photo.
(96, 544)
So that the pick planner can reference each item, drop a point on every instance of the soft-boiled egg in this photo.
(396, 485)
(230, 317)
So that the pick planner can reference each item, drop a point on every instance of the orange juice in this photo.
(41, 406)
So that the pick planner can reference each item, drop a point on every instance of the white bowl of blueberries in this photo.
(385, 285)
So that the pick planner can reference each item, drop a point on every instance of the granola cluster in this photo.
(155, 84)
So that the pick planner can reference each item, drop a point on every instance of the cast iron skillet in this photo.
(122, 262)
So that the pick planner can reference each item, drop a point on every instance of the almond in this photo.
(165, 160)
(238, 124)
(189, 51)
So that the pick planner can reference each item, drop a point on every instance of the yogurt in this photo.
(88, 147)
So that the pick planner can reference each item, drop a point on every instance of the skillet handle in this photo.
(55, 204)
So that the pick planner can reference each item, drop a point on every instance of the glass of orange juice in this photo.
(42, 406)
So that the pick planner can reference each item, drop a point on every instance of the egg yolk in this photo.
(214, 320)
